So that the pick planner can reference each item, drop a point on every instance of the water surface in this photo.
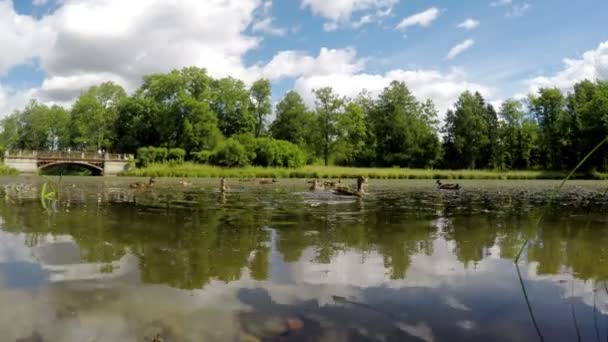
(279, 263)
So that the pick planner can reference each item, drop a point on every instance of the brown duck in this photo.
(142, 185)
(442, 186)
(315, 185)
(267, 181)
(358, 191)
(223, 186)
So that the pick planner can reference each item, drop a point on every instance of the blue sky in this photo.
(508, 48)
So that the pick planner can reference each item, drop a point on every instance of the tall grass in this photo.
(198, 170)
(7, 171)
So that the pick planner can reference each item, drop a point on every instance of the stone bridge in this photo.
(100, 163)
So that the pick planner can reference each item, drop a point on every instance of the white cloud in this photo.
(265, 23)
(423, 19)
(266, 26)
(86, 42)
(296, 64)
(339, 12)
(460, 48)
(91, 42)
(39, 2)
(517, 10)
(442, 88)
(469, 24)
(593, 65)
(501, 3)
(514, 9)
(23, 37)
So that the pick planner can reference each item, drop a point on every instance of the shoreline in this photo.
(189, 170)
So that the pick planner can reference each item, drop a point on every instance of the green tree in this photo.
(260, 93)
(328, 107)
(548, 108)
(231, 104)
(518, 136)
(404, 129)
(94, 115)
(172, 110)
(466, 132)
(293, 121)
(351, 134)
(9, 136)
(587, 122)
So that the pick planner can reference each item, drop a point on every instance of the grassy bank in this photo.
(197, 170)
(7, 171)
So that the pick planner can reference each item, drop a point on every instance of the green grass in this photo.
(7, 171)
(207, 171)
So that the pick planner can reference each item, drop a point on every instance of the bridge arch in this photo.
(96, 169)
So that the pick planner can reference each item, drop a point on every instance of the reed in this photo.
(207, 171)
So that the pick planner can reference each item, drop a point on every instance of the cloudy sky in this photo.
(53, 49)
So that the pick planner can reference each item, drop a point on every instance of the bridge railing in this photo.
(67, 155)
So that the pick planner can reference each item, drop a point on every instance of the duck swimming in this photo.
(223, 186)
(267, 181)
(316, 185)
(184, 182)
(332, 185)
(142, 185)
(358, 191)
(442, 186)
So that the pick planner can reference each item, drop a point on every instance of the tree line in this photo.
(224, 122)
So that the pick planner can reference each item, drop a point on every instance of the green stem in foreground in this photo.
(554, 193)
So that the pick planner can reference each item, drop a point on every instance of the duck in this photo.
(316, 185)
(142, 185)
(267, 181)
(185, 183)
(332, 185)
(223, 186)
(442, 186)
(357, 191)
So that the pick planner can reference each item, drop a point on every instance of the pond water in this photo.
(279, 263)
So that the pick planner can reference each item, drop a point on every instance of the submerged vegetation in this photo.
(224, 122)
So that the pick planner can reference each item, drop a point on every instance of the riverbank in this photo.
(207, 171)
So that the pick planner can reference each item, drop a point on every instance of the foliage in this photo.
(278, 153)
(176, 155)
(149, 155)
(230, 153)
(293, 122)
(94, 115)
(328, 106)
(190, 169)
(187, 109)
(260, 93)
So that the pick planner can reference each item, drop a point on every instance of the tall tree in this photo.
(548, 108)
(9, 136)
(403, 127)
(231, 104)
(171, 110)
(94, 115)
(260, 93)
(328, 106)
(351, 134)
(293, 121)
(466, 131)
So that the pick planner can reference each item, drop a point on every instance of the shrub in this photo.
(270, 152)
(149, 155)
(201, 157)
(176, 155)
(231, 153)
